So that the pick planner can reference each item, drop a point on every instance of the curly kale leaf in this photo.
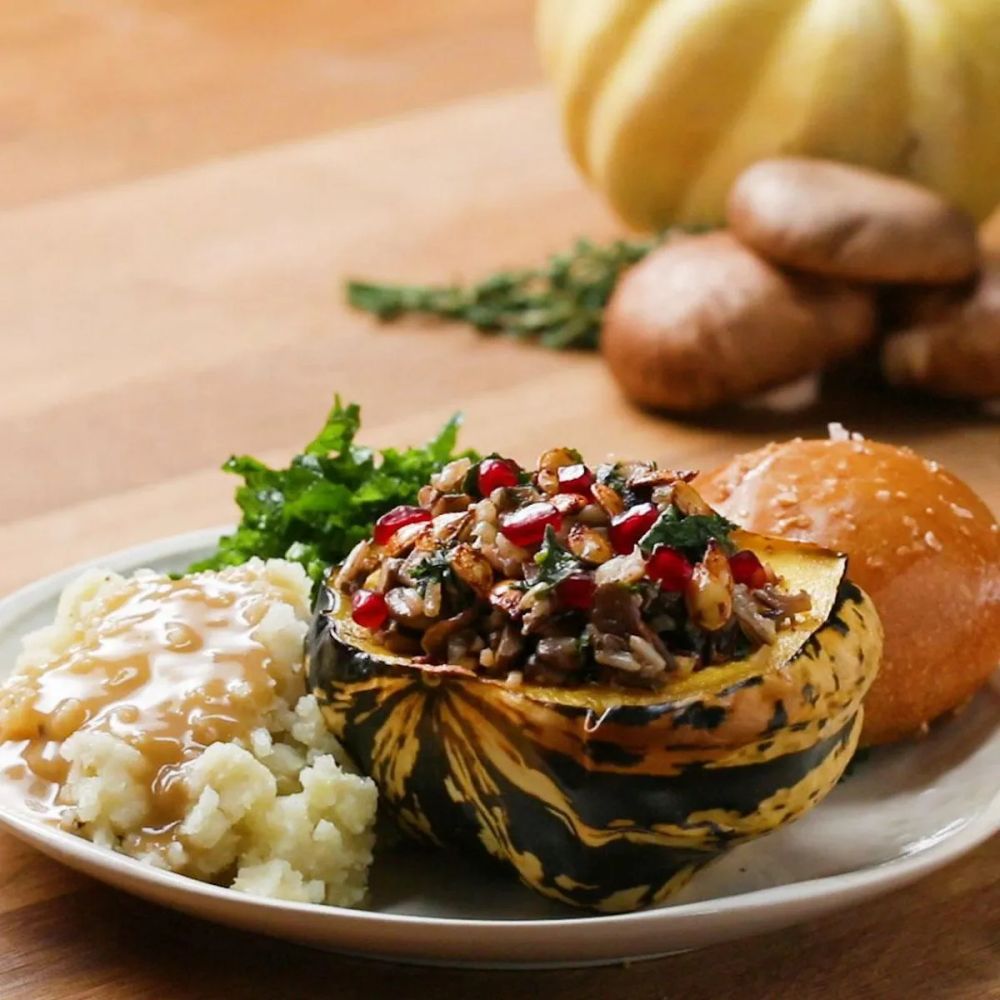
(327, 499)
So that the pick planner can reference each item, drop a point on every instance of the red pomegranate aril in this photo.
(495, 473)
(669, 568)
(575, 479)
(748, 569)
(630, 525)
(577, 592)
(526, 527)
(391, 521)
(368, 609)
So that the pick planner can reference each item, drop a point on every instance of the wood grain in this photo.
(100, 92)
(171, 292)
(98, 943)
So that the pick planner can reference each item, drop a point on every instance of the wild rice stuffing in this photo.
(566, 575)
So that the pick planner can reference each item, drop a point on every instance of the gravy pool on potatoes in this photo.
(170, 667)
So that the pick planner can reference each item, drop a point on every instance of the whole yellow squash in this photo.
(665, 101)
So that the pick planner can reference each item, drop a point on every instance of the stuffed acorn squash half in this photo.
(589, 675)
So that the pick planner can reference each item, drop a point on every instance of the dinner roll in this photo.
(921, 543)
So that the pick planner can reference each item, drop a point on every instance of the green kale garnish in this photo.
(327, 500)
(555, 562)
(690, 534)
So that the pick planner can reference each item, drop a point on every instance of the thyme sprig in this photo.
(560, 305)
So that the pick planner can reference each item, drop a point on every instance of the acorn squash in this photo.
(599, 796)
(665, 102)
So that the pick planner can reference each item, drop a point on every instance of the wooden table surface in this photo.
(182, 187)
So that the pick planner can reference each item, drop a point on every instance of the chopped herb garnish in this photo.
(611, 475)
(555, 562)
(317, 509)
(434, 566)
(690, 534)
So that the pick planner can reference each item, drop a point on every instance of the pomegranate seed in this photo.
(575, 479)
(669, 568)
(526, 527)
(747, 568)
(497, 472)
(368, 609)
(629, 526)
(390, 522)
(577, 592)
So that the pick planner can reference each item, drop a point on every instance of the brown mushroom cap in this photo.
(850, 222)
(703, 320)
(920, 542)
(952, 351)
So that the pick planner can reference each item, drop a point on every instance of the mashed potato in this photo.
(167, 719)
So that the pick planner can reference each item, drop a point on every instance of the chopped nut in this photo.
(451, 477)
(432, 598)
(449, 527)
(649, 660)
(649, 475)
(407, 607)
(625, 569)
(594, 515)
(360, 561)
(709, 593)
(689, 500)
(609, 499)
(569, 504)
(408, 536)
(507, 595)
(555, 458)
(590, 544)
(472, 568)
(449, 503)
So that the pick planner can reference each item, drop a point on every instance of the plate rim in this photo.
(964, 837)
(836, 891)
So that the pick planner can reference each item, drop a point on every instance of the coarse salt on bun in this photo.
(921, 543)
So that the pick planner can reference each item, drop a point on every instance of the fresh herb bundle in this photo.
(317, 509)
(560, 304)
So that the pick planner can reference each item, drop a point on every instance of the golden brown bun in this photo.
(845, 221)
(703, 320)
(920, 542)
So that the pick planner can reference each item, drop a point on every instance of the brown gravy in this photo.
(169, 666)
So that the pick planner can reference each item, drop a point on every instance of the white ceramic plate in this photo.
(906, 811)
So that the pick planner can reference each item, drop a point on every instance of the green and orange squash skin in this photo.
(599, 797)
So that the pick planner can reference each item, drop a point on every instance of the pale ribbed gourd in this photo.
(664, 102)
